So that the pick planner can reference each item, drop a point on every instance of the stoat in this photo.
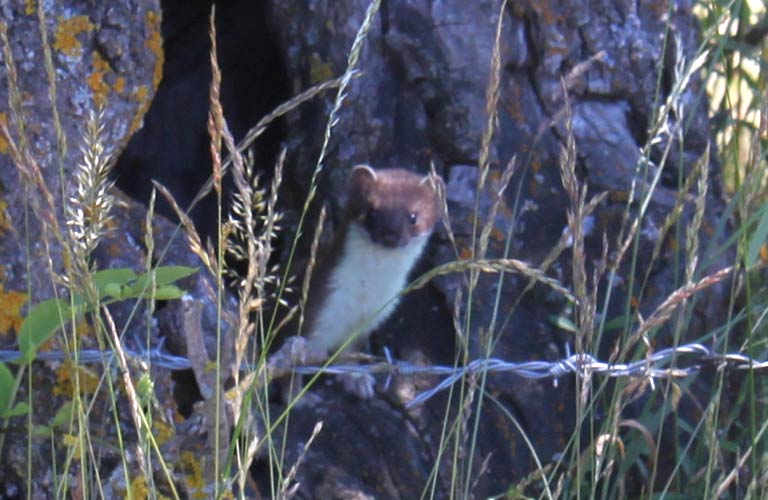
(390, 214)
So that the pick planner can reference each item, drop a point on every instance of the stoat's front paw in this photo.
(359, 384)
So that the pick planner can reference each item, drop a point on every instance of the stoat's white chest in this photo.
(363, 288)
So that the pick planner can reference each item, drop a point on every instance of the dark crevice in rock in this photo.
(173, 145)
(533, 67)
(185, 391)
(667, 65)
(637, 123)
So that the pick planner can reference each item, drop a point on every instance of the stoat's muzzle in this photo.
(390, 228)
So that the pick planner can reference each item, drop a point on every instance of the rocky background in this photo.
(420, 101)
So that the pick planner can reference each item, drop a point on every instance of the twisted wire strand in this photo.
(673, 362)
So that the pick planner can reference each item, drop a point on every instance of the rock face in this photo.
(420, 100)
(107, 55)
(103, 54)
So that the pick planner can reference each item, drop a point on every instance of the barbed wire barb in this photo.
(673, 362)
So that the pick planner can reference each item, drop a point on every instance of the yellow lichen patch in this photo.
(162, 431)
(10, 310)
(72, 441)
(3, 139)
(30, 7)
(155, 44)
(5, 220)
(83, 328)
(138, 488)
(97, 79)
(87, 380)
(319, 71)
(193, 474)
(330, 26)
(66, 34)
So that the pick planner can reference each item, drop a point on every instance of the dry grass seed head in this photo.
(88, 210)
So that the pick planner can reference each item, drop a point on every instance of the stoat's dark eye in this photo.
(412, 218)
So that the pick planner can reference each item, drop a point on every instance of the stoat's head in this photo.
(394, 206)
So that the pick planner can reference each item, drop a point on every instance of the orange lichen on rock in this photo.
(548, 12)
(155, 44)
(119, 85)
(536, 164)
(3, 139)
(514, 106)
(97, 79)
(87, 380)
(140, 95)
(66, 34)
(115, 248)
(11, 303)
(498, 235)
(5, 220)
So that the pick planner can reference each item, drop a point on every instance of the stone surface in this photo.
(103, 54)
(420, 100)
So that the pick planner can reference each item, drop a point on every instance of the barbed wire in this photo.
(674, 362)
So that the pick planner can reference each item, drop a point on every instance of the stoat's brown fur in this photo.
(390, 215)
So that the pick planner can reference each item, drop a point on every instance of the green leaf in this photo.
(17, 411)
(7, 383)
(63, 417)
(758, 239)
(41, 431)
(40, 324)
(111, 277)
(169, 292)
(164, 275)
(617, 323)
(113, 290)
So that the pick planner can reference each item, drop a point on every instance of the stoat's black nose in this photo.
(387, 228)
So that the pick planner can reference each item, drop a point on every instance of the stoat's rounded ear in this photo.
(361, 178)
